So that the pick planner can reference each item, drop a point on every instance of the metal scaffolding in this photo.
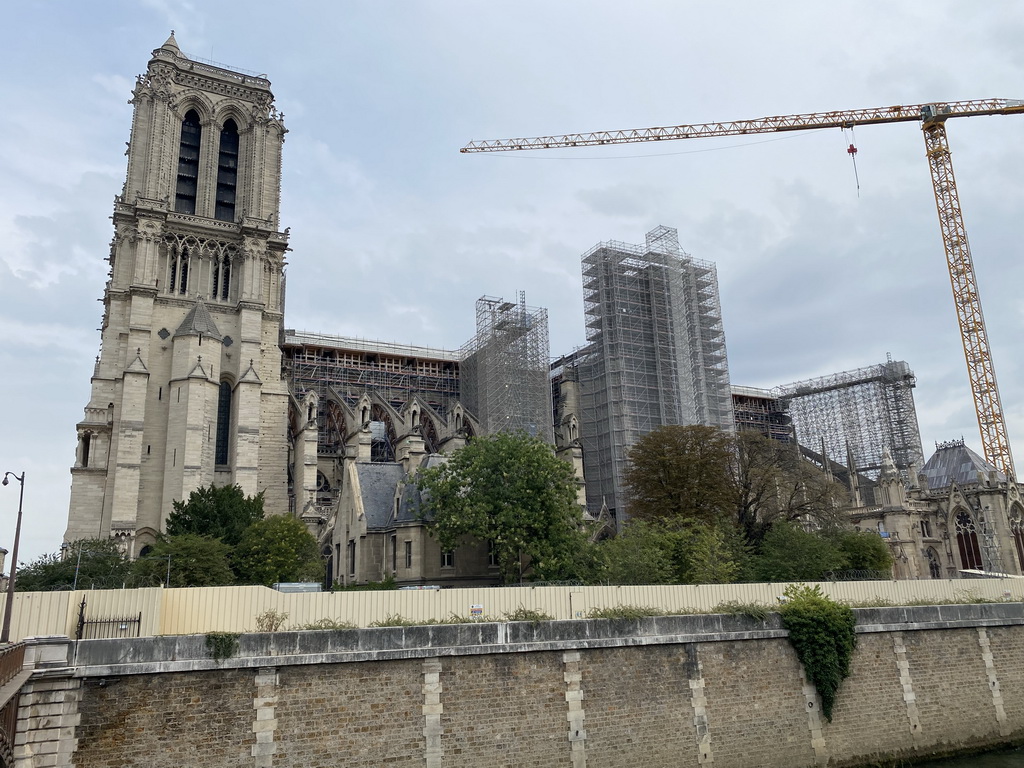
(758, 410)
(857, 414)
(504, 368)
(656, 353)
(354, 366)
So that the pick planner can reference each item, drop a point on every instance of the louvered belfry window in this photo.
(188, 164)
(227, 172)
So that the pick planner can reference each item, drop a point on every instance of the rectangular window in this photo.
(408, 554)
(448, 559)
(394, 554)
(352, 557)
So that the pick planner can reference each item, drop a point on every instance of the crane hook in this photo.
(852, 152)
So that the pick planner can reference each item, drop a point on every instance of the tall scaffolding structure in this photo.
(655, 354)
(857, 414)
(504, 368)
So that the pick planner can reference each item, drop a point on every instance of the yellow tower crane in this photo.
(933, 118)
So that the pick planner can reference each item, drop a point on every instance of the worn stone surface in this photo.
(638, 701)
(709, 690)
(508, 710)
(167, 721)
(870, 714)
(1008, 659)
(755, 702)
(351, 714)
(951, 684)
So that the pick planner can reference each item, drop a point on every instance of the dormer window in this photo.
(188, 164)
(227, 172)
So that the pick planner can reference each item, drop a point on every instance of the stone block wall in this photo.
(699, 690)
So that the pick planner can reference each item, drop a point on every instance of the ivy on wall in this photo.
(822, 634)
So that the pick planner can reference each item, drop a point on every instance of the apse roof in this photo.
(954, 462)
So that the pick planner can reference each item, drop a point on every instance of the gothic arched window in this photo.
(223, 422)
(188, 164)
(967, 541)
(227, 172)
(179, 271)
(221, 278)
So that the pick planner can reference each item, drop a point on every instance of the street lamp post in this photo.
(5, 633)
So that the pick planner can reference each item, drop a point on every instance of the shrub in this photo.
(523, 613)
(271, 621)
(625, 612)
(326, 623)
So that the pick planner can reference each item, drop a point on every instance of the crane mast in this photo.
(932, 116)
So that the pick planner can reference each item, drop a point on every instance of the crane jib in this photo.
(801, 122)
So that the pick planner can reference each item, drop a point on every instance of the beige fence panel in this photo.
(120, 604)
(41, 613)
(236, 609)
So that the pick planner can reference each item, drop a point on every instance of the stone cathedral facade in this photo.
(187, 388)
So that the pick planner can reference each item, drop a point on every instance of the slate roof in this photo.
(954, 462)
(412, 500)
(197, 322)
(378, 481)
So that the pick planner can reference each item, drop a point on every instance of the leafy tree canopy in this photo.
(98, 563)
(656, 553)
(681, 473)
(223, 512)
(511, 490)
(277, 549)
(789, 553)
(864, 550)
(774, 483)
(641, 554)
(195, 561)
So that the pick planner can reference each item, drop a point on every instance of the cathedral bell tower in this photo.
(187, 388)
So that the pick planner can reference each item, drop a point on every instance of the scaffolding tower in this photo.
(504, 368)
(655, 355)
(857, 414)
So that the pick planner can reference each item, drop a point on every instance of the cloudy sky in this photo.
(395, 234)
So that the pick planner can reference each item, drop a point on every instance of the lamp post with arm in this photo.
(5, 633)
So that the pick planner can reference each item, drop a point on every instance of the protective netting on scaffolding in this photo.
(656, 353)
(504, 368)
(862, 411)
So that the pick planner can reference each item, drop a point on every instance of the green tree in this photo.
(510, 490)
(220, 512)
(775, 483)
(277, 549)
(195, 561)
(97, 564)
(711, 554)
(642, 554)
(681, 473)
(864, 550)
(789, 553)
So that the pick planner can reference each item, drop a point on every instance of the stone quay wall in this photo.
(716, 690)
